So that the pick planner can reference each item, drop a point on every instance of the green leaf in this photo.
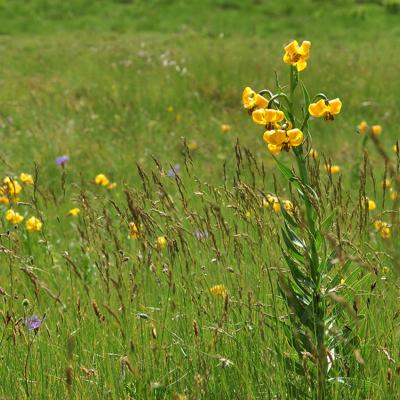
(306, 98)
(327, 223)
(287, 173)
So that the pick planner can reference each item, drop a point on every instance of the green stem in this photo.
(318, 305)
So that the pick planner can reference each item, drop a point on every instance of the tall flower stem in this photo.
(318, 303)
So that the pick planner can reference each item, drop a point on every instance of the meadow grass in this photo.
(130, 89)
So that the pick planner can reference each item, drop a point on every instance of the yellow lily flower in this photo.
(279, 139)
(297, 55)
(325, 108)
(267, 116)
(252, 100)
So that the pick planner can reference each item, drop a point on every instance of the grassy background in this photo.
(113, 83)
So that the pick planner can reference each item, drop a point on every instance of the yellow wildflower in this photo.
(385, 232)
(26, 179)
(383, 228)
(280, 139)
(225, 128)
(161, 242)
(33, 224)
(273, 201)
(325, 108)
(332, 169)
(313, 154)
(362, 127)
(252, 100)
(219, 290)
(112, 186)
(367, 203)
(13, 217)
(267, 116)
(133, 231)
(386, 183)
(11, 186)
(288, 206)
(376, 130)
(101, 180)
(396, 148)
(73, 212)
(297, 55)
(3, 199)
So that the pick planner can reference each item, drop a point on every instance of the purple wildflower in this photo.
(61, 160)
(200, 234)
(33, 323)
(174, 171)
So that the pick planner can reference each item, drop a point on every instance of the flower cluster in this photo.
(275, 203)
(280, 133)
(383, 228)
(10, 191)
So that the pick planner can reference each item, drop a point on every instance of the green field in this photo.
(130, 89)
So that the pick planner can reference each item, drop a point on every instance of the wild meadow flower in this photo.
(33, 323)
(368, 203)
(33, 224)
(161, 242)
(396, 148)
(376, 130)
(3, 199)
(383, 228)
(27, 179)
(74, 212)
(387, 183)
(112, 186)
(325, 108)
(62, 160)
(218, 290)
(297, 55)
(268, 117)
(226, 128)
(13, 217)
(174, 171)
(11, 186)
(280, 139)
(332, 169)
(133, 231)
(362, 127)
(101, 180)
(251, 100)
